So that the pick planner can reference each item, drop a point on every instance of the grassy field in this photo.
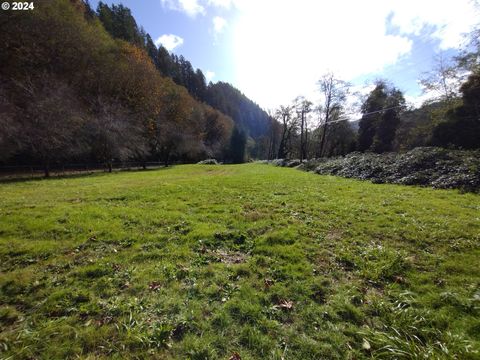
(241, 262)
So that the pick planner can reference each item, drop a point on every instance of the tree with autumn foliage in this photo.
(93, 97)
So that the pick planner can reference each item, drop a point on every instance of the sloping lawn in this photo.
(242, 262)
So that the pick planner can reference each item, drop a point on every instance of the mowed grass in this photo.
(207, 262)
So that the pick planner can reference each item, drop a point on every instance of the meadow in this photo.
(237, 262)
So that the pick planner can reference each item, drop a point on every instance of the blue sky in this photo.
(202, 45)
(275, 50)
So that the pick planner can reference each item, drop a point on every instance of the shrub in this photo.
(208, 162)
(293, 163)
(427, 166)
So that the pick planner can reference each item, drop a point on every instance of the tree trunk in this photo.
(322, 142)
(281, 149)
(327, 118)
(301, 139)
(109, 164)
(305, 144)
(283, 142)
(46, 169)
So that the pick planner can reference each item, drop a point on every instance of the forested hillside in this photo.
(119, 22)
(80, 87)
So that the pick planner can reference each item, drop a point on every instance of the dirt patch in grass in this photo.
(227, 257)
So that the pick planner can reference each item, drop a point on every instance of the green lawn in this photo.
(203, 262)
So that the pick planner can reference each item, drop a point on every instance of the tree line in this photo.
(248, 116)
(78, 86)
(450, 119)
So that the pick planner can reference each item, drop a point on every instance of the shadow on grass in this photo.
(16, 178)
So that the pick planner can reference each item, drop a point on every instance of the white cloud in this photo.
(190, 7)
(169, 41)
(219, 24)
(417, 101)
(449, 19)
(299, 43)
(209, 75)
(221, 3)
(282, 47)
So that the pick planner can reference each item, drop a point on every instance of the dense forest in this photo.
(83, 86)
(120, 24)
(89, 85)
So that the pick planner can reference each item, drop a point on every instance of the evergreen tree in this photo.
(388, 122)
(241, 109)
(381, 117)
(120, 23)
(165, 63)
(238, 143)
(462, 127)
(371, 110)
(151, 49)
(89, 12)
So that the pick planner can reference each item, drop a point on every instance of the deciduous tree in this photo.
(303, 107)
(334, 94)
(284, 115)
(50, 121)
